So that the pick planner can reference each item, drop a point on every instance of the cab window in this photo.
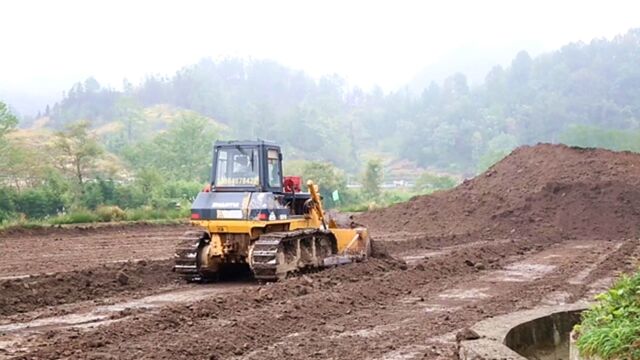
(237, 166)
(273, 164)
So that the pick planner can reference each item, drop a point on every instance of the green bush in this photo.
(130, 196)
(428, 182)
(610, 329)
(327, 177)
(164, 204)
(92, 196)
(7, 204)
(358, 200)
(38, 203)
(101, 201)
(75, 217)
(149, 213)
(110, 213)
(186, 190)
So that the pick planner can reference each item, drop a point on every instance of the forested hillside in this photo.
(567, 95)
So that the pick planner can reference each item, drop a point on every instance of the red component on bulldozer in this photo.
(292, 183)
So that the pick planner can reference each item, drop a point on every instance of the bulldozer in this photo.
(250, 216)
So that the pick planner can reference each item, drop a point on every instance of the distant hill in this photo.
(472, 60)
(459, 125)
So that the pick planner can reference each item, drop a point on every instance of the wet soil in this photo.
(378, 309)
(58, 249)
(40, 291)
(546, 190)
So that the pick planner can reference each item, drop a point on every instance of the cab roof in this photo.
(245, 143)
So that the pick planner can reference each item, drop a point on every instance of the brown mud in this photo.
(34, 292)
(58, 249)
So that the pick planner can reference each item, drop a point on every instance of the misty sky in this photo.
(49, 45)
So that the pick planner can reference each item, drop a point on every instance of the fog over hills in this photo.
(390, 44)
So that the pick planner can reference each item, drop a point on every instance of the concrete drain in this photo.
(540, 334)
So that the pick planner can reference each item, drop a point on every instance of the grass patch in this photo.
(76, 217)
(610, 329)
(155, 214)
(103, 215)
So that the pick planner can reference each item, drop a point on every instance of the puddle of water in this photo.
(521, 272)
(416, 258)
(431, 308)
(411, 300)
(16, 277)
(556, 298)
(582, 246)
(367, 333)
(446, 338)
(473, 293)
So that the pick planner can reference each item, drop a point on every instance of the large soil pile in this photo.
(545, 190)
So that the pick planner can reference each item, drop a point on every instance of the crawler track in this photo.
(277, 255)
(186, 256)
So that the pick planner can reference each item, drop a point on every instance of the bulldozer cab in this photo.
(246, 166)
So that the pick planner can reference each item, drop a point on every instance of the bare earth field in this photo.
(67, 249)
(548, 225)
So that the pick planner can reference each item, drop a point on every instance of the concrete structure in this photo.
(542, 332)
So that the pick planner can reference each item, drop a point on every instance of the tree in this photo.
(183, 152)
(327, 177)
(428, 182)
(8, 121)
(76, 151)
(372, 178)
(130, 114)
(20, 164)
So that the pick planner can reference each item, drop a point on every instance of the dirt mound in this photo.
(545, 190)
(30, 293)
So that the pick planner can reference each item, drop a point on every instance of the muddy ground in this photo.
(496, 244)
(77, 248)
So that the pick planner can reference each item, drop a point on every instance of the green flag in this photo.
(335, 196)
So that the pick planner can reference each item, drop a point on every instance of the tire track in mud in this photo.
(423, 324)
(297, 313)
(406, 317)
(13, 335)
(378, 310)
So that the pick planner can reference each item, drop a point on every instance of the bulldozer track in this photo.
(277, 255)
(186, 255)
